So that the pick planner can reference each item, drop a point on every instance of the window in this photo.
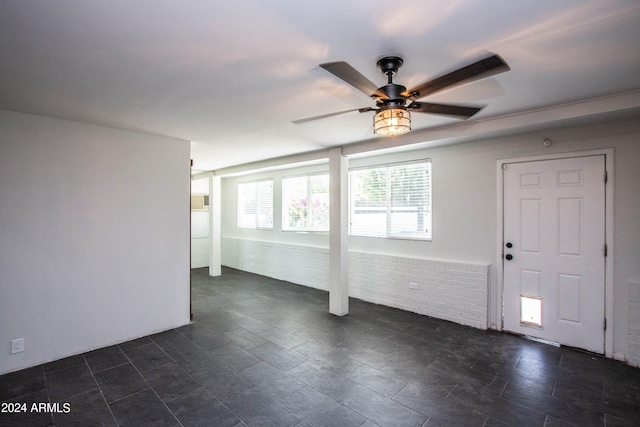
(391, 201)
(255, 204)
(305, 203)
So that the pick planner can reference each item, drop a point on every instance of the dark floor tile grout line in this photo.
(106, 369)
(148, 385)
(200, 384)
(221, 403)
(47, 389)
(104, 398)
(28, 393)
(97, 387)
(126, 397)
(504, 387)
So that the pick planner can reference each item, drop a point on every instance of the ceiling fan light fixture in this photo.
(392, 122)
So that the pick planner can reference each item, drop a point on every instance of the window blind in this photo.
(392, 201)
(255, 204)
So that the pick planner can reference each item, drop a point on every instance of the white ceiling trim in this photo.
(510, 123)
(286, 162)
(505, 124)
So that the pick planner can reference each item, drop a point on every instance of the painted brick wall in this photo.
(446, 290)
(303, 265)
(633, 327)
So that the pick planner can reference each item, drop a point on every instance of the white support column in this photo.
(338, 234)
(215, 228)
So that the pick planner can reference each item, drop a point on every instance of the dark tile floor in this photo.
(262, 352)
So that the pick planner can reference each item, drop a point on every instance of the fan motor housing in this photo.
(394, 92)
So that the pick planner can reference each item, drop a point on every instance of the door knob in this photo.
(509, 257)
(509, 245)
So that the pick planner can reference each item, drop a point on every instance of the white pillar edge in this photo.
(215, 226)
(338, 233)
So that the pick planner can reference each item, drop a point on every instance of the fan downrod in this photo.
(389, 66)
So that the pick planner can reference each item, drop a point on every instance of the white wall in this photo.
(200, 230)
(465, 207)
(200, 241)
(94, 236)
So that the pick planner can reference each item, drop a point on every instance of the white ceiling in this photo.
(231, 76)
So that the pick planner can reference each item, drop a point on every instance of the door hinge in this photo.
(605, 323)
(606, 177)
(606, 250)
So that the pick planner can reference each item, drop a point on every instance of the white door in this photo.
(554, 249)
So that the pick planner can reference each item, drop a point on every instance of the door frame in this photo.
(609, 279)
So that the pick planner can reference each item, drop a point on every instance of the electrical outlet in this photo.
(17, 346)
(413, 285)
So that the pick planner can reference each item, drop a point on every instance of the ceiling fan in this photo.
(394, 102)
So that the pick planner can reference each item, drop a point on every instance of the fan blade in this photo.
(323, 116)
(486, 67)
(352, 76)
(459, 111)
